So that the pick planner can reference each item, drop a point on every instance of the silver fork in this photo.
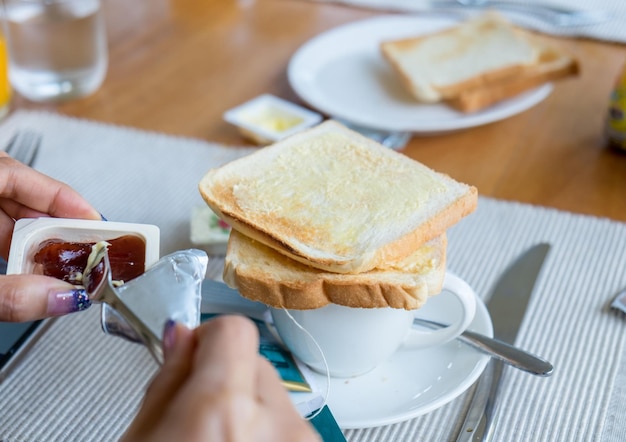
(24, 146)
(393, 139)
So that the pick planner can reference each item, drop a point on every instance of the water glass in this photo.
(57, 48)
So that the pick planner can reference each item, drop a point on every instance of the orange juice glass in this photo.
(5, 87)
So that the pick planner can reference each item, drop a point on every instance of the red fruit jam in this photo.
(67, 260)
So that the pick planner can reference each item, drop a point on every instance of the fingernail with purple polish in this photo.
(103, 218)
(169, 334)
(68, 302)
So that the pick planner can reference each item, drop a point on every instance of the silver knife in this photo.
(507, 306)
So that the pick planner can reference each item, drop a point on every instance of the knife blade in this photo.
(507, 306)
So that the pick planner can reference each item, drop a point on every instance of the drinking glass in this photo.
(57, 48)
(5, 86)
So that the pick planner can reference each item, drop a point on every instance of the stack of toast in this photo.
(330, 216)
(477, 63)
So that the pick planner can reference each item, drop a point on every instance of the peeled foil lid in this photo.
(170, 289)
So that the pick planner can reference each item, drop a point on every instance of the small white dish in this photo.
(412, 382)
(30, 233)
(342, 74)
(267, 119)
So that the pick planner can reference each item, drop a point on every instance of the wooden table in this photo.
(176, 66)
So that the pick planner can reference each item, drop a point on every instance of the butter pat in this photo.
(267, 119)
(208, 232)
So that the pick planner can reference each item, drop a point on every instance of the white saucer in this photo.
(412, 382)
(342, 74)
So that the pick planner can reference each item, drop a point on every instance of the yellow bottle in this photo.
(616, 122)
(5, 87)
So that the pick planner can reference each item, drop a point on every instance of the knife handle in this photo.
(495, 348)
(479, 423)
(508, 353)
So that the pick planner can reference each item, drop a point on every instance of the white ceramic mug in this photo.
(356, 340)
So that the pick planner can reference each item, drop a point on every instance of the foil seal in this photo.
(171, 289)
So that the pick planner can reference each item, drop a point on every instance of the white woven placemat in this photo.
(78, 384)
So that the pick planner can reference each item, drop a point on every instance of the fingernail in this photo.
(68, 302)
(103, 218)
(169, 335)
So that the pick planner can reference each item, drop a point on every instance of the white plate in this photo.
(341, 73)
(412, 382)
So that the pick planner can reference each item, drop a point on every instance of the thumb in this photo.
(31, 297)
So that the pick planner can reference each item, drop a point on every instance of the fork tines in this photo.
(24, 146)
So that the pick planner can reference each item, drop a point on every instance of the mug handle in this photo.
(466, 295)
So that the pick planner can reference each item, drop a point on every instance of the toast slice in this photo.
(441, 65)
(262, 274)
(552, 64)
(335, 200)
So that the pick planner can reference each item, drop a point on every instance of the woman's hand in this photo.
(26, 193)
(214, 386)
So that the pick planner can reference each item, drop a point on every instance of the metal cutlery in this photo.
(99, 288)
(393, 139)
(497, 349)
(507, 307)
(553, 14)
(619, 301)
(24, 146)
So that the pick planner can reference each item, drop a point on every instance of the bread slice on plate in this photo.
(552, 64)
(262, 274)
(333, 199)
(441, 65)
